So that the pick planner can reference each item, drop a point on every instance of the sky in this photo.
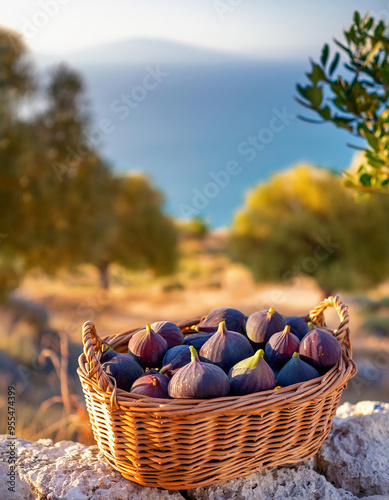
(270, 30)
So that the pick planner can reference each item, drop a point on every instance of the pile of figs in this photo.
(226, 354)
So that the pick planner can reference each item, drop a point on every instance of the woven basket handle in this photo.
(91, 346)
(342, 333)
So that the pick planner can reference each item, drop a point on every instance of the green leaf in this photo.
(385, 182)
(365, 180)
(317, 74)
(324, 54)
(315, 95)
(334, 63)
(325, 113)
(357, 18)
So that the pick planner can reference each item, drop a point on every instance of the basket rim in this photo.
(102, 386)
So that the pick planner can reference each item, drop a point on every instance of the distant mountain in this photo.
(203, 112)
(144, 51)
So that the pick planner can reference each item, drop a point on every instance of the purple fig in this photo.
(199, 380)
(108, 355)
(205, 329)
(320, 349)
(262, 325)
(225, 348)
(235, 320)
(169, 331)
(197, 340)
(175, 358)
(153, 385)
(251, 375)
(298, 326)
(124, 369)
(147, 347)
(281, 346)
(151, 371)
(296, 371)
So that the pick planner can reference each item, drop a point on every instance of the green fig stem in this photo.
(260, 352)
(271, 311)
(195, 328)
(193, 352)
(287, 329)
(148, 328)
(222, 327)
(311, 325)
(154, 381)
(296, 355)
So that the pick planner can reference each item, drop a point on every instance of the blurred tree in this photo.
(142, 237)
(16, 85)
(196, 228)
(72, 194)
(305, 222)
(61, 204)
(358, 99)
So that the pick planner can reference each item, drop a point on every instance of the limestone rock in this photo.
(301, 483)
(356, 454)
(72, 471)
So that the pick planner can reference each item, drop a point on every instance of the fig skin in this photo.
(281, 346)
(147, 347)
(108, 355)
(298, 326)
(235, 320)
(198, 380)
(124, 369)
(175, 358)
(261, 325)
(225, 348)
(320, 349)
(197, 340)
(296, 371)
(152, 385)
(251, 375)
(169, 331)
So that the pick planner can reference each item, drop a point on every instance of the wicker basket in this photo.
(183, 444)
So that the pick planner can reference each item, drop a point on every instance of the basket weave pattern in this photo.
(182, 444)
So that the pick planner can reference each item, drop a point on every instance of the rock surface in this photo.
(353, 463)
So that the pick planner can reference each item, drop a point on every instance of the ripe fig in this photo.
(205, 329)
(235, 320)
(124, 369)
(296, 371)
(251, 375)
(281, 346)
(320, 349)
(152, 385)
(298, 326)
(169, 331)
(263, 324)
(175, 358)
(108, 355)
(197, 340)
(199, 380)
(147, 347)
(225, 348)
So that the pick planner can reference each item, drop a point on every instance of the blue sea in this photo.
(207, 132)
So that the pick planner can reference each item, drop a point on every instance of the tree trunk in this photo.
(104, 275)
